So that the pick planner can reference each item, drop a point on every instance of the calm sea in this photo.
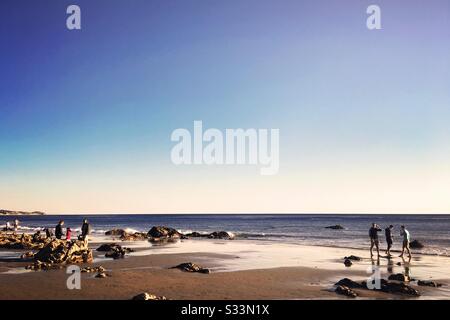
(309, 229)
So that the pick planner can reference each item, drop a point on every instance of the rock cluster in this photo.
(148, 296)
(191, 267)
(22, 241)
(386, 286)
(354, 258)
(125, 236)
(114, 250)
(399, 277)
(62, 251)
(214, 235)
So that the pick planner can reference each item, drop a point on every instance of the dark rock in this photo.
(115, 232)
(221, 235)
(197, 235)
(348, 263)
(426, 283)
(148, 296)
(114, 250)
(399, 277)
(354, 258)
(336, 227)
(399, 288)
(346, 282)
(191, 267)
(102, 275)
(416, 244)
(163, 233)
(346, 291)
(399, 263)
(137, 236)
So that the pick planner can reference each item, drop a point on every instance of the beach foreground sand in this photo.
(240, 270)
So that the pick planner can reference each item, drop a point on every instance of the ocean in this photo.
(308, 229)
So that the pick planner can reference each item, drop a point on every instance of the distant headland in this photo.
(20, 213)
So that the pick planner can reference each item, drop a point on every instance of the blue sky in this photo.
(87, 115)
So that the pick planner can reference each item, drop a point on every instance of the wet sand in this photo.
(241, 270)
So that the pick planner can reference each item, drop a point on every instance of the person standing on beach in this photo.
(373, 234)
(16, 224)
(406, 239)
(59, 230)
(85, 230)
(389, 239)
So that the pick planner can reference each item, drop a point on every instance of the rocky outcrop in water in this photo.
(335, 227)
(214, 235)
(161, 233)
(191, 267)
(416, 244)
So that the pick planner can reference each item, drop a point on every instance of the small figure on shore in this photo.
(406, 239)
(68, 234)
(373, 234)
(389, 239)
(48, 233)
(59, 230)
(85, 230)
(16, 224)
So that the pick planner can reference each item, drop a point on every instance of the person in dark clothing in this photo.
(389, 239)
(48, 233)
(373, 234)
(85, 230)
(59, 230)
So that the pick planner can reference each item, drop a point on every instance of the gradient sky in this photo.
(86, 116)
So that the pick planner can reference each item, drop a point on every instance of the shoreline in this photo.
(240, 271)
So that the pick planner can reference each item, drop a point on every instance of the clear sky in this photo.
(86, 116)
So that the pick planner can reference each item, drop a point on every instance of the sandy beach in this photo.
(239, 270)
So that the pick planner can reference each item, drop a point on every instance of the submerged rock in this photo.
(426, 283)
(191, 267)
(335, 227)
(148, 296)
(346, 291)
(416, 244)
(348, 262)
(385, 286)
(354, 258)
(115, 232)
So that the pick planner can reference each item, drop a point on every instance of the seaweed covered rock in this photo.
(191, 267)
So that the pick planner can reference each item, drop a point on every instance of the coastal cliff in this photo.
(20, 213)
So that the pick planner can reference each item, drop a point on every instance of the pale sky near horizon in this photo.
(87, 115)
